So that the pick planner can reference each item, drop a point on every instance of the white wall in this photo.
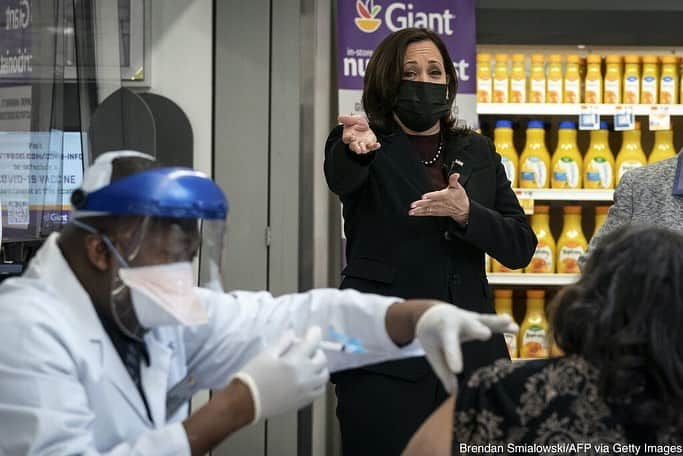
(182, 69)
(182, 65)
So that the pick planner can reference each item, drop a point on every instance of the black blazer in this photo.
(391, 253)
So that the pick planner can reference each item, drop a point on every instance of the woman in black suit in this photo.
(423, 200)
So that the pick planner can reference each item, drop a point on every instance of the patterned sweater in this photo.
(644, 197)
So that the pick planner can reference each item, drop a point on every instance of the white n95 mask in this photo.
(164, 295)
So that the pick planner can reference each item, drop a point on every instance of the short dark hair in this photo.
(625, 316)
(384, 74)
(126, 166)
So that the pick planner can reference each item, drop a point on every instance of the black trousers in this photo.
(379, 408)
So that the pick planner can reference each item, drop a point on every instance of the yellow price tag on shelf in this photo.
(659, 117)
(526, 200)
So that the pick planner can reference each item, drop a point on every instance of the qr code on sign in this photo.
(17, 213)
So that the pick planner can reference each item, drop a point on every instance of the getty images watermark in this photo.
(577, 448)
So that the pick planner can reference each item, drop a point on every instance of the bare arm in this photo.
(435, 436)
(227, 412)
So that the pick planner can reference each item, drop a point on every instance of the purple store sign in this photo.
(363, 24)
(15, 41)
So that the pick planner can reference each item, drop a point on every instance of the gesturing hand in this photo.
(358, 135)
(450, 202)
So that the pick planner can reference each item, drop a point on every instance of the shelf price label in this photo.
(624, 119)
(660, 118)
(589, 117)
(526, 200)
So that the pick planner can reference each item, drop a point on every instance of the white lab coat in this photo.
(64, 389)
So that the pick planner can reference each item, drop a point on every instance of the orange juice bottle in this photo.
(554, 90)
(503, 303)
(663, 147)
(518, 80)
(537, 85)
(649, 84)
(572, 243)
(502, 139)
(497, 267)
(632, 79)
(567, 164)
(613, 79)
(593, 84)
(600, 217)
(572, 80)
(534, 163)
(598, 170)
(631, 154)
(543, 260)
(501, 80)
(533, 333)
(484, 79)
(668, 84)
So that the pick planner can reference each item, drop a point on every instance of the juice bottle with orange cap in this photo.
(668, 84)
(533, 333)
(501, 79)
(537, 82)
(484, 79)
(554, 90)
(613, 79)
(534, 164)
(572, 243)
(649, 85)
(598, 170)
(663, 147)
(632, 79)
(567, 164)
(503, 304)
(593, 86)
(498, 267)
(572, 80)
(518, 79)
(631, 154)
(543, 260)
(600, 217)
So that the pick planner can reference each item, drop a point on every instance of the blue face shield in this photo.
(179, 228)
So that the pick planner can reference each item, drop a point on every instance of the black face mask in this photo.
(420, 105)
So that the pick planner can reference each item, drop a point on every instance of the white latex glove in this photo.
(287, 376)
(443, 327)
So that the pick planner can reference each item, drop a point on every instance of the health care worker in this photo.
(104, 339)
